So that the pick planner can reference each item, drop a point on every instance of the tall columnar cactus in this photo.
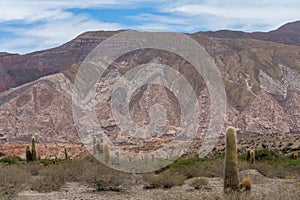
(248, 154)
(117, 156)
(33, 150)
(153, 157)
(252, 156)
(66, 154)
(101, 146)
(39, 155)
(231, 180)
(106, 152)
(28, 154)
(94, 145)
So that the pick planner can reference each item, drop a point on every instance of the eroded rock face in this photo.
(265, 115)
(292, 109)
(42, 110)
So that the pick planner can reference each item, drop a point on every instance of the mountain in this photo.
(288, 34)
(16, 69)
(261, 80)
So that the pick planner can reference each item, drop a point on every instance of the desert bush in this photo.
(199, 183)
(189, 171)
(52, 178)
(54, 175)
(282, 191)
(103, 178)
(74, 168)
(48, 183)
(272, 169)
(32, 168)
(13, 179)
(164, 180)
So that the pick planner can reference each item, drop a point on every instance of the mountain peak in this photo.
(288, 34)
(291, 26)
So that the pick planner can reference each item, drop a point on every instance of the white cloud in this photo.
(52, 33)
(63, 29)
(44, 24)
(41, 24)
(34, 10)
(232, 14)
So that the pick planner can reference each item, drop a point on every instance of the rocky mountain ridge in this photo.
(286, 34)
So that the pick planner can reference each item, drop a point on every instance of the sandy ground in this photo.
(263, 188)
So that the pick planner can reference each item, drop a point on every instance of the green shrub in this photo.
(46, 162)
(205, 168)
(10, 160)
(295, 164)
(266, 154)
(185, 161)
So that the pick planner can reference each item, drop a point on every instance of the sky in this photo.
(31, 25)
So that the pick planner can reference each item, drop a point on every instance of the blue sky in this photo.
(31, 25)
